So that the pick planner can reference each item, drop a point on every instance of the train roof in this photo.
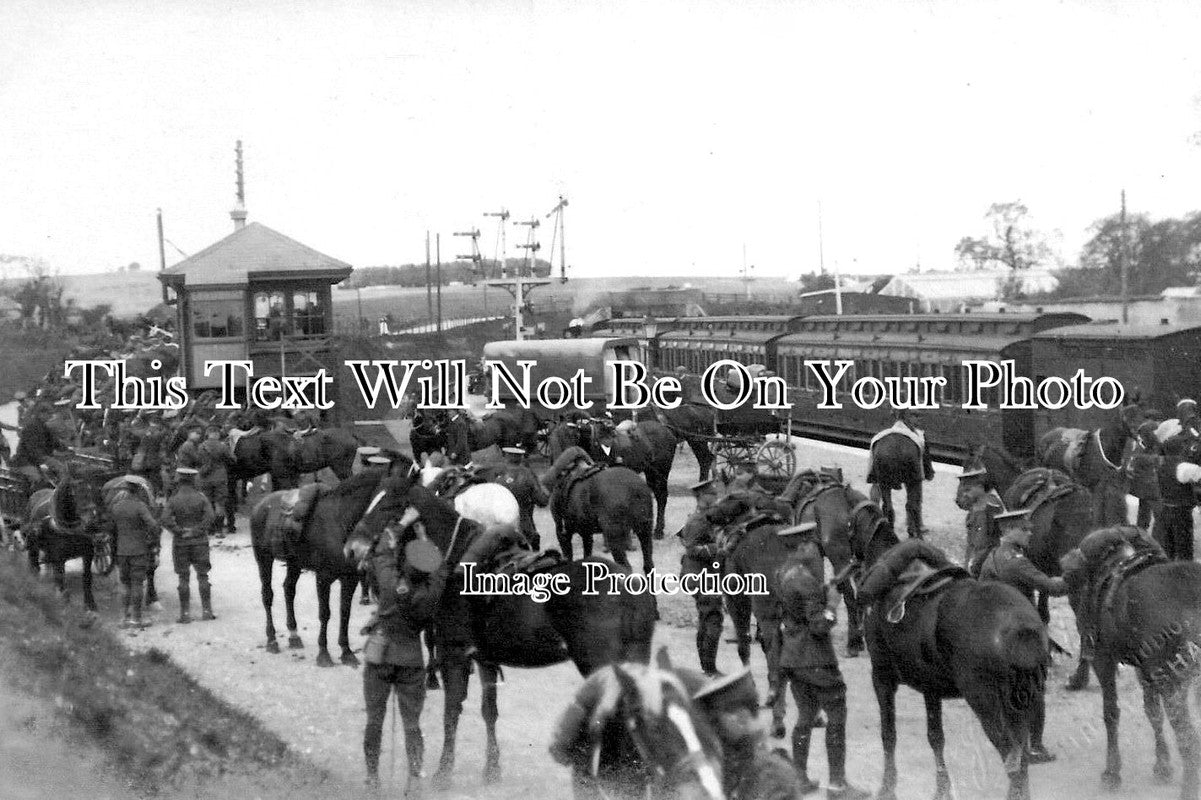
(724, 335)
(1000, 316)
(1116, 331)
(832, 340)
(557, 348)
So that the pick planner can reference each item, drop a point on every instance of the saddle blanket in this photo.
(236, 434)
(917, 437)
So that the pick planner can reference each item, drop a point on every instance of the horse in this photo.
(650, 739)
(978, 640)
(320, 549)
(1094, 460)
(589, 629)
(488, 503)
(898, 460)
(695, 424)
(613, 502)
(1003, 468)
(1061, 515)
(647, 447)
(1147, 617)
(64, 523)
(504, 428)
(426, 436)
(286, 459)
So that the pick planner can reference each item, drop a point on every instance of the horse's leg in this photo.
(60, 579)
(324, 583)
(349, 584)
(456, 675)
(291, 578)
(934, 735)
(704, 456)
(1176, 704)
(770, 639)
(658, 484)
(89, 600)
(431, 647)
(365, 594)
(265, 567)
(913, 509)
(1106, 669)
(886, 502)
(886, 699)
(738, 606)
(489, 675)
(645, 541)
(231, 500)
(854, 621)
(1153, 706)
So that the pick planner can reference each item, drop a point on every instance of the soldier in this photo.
(214, 476)
(24, 404)
(1141, 469)
(1186, 413)
(701, 556)
(395, 659)
(524, 485)
(808, 664)
(37, 441)
(1009, 564)
(189, 516)
(188, 454)
(138, 538)
(982, 503)
(1174, 523)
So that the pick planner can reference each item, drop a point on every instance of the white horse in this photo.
(485, 503)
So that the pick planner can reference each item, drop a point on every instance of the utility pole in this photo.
(519, 284)
(821, 247)
(438, 246)
(476, 259)
(503, 217)
(746, 275)
(429, 297)
(1125, 264)
(162, 253)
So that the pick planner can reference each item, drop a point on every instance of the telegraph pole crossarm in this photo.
(518, 285)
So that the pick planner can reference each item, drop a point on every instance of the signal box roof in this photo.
(254, 252)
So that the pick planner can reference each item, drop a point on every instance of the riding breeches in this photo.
(811, 698)
(1174, 531)
(133, 570)
(379, 682)
(709, 619)
(187, 555)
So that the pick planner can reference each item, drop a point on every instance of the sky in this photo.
(681, 133)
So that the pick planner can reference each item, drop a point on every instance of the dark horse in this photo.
(319, 549)
(979, 640)
(590, 630)
(1094, 460)
(647, 447)
(286, 458)
(64, 523)
(614, 502)
(507, 427)
(1148, 616)
(898, 461)
(426, 436)
(1061, 515)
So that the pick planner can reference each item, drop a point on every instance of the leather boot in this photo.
(184, 602)
(839, 789)
(126, 616)
(415, 750)
(800, 759)
(206, 602)
(135, 608)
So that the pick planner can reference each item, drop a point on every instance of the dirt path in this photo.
(320, 711)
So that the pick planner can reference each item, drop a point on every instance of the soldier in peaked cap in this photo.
(409, 590)
(189, 516)
(977, 496)
(1009, 564)
(526, 488)
(701, 557)
(1177, 477)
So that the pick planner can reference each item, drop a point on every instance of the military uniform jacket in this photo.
(188, 514)
(982, 527)
(36, 442)
(188, 455)
(1172, 491)
(1008, 564)
(150, 443)
(214, 456)
(699, 537)
(808, 647)
(405, 607)
(136, 529)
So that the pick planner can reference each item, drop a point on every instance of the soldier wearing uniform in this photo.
(1142, 467)
(1008, 564)
(808, 664)
(149, 453)
(983, 504)
(188, 454)
(137, 533)
(189, 516)
(702, 557)
(395, 660)
(1177, 475)
(215, 459)
(524, 485)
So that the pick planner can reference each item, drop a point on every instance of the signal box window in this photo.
(308, 316)
(217, 319)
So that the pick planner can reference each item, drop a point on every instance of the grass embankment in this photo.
(161, 732)
(28, 355)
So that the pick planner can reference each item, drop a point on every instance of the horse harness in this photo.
(1116, 569)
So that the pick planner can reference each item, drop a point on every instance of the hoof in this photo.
(272, 646)
(324, 660)
(350, 659)
(295, 643)
(1111, 781)
(441, 778)
(886, 794)
(432, 683)
(1162, 772)
(777, 730)
(853, 652)
(1078, 681)
(365, 600)
(492, 774)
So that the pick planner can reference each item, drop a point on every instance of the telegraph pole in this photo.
(561, 234)
(503, 217)
(438, 246)
(746, 275)
(162, 253)
(429, 297)
(1125, 265)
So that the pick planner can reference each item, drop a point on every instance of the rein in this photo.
(1101, 450)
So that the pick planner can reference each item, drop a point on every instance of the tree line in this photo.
(452, 272)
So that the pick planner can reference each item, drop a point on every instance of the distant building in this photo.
(825, 302)
(10, 309)
(952, 291)
(1176, 305)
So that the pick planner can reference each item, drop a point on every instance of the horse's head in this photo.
(728, 509)
(678, 748)
(397, 505)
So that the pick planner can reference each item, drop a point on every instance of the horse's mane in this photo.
(435, 512)
(363, 481)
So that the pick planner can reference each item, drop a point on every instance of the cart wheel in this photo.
(776, 460)
(729, 453)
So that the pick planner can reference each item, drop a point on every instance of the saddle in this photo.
(1114, 572)
(451, 483)
(824, 483)
(731, 535)
(237, 434)
(517, 560)
(294, 510)
(1046, 486)
(919, 579)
